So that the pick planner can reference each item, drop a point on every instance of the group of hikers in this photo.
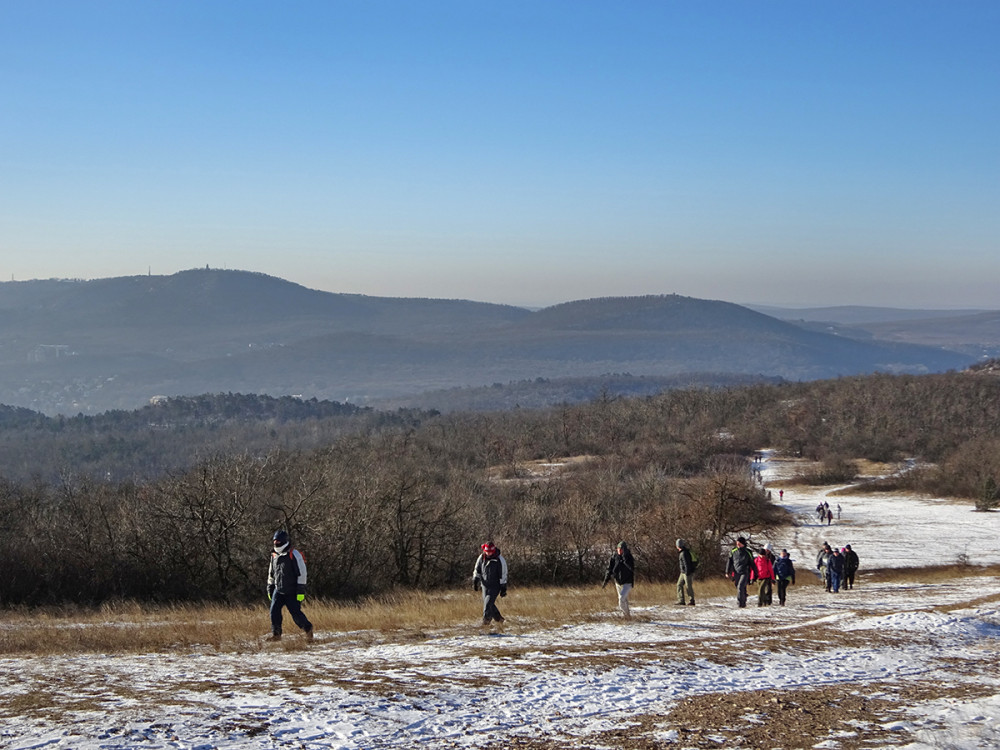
(825, 513)
(837, 567)
(743, 568)
(286, 578)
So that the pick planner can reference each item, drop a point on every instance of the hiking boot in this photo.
(309, 634)
(682, 604)
(273, 637)
(690, 604)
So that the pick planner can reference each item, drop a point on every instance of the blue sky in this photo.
(788, 153)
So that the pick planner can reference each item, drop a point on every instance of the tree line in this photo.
(406, 502)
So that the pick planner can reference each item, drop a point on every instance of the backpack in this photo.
(694, 560)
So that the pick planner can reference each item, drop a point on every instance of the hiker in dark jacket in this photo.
(835, 570)
(621, 568)
(286, 585)
(740, 569)
(685, 581)
(851, 564)
(784, 572)
(490, 574)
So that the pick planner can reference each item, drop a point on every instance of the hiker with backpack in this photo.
(822, 564)
(621, 568)
(286, 585)
(784, 572)
(688, 563)
(740, 569)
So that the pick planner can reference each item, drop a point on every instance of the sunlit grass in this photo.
(124, 627)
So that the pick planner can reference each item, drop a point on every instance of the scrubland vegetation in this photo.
(401, 502)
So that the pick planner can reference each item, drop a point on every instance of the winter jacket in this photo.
(835, 563)
(287, 573)
(621, 568)
(490, 572)
(686, 563)
(823, 559)
(851, 561)
(763, 568)
(740, 563)
(784, 570)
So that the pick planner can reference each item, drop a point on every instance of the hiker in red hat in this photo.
(490, 574)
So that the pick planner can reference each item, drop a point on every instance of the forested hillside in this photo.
(173, 435)
(381, 501)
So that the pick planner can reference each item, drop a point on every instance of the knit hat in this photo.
(681, 544)
(741, 540)
(280, 537)
(489, 549)
(768, 546)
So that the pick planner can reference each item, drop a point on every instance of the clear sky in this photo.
(770, 151)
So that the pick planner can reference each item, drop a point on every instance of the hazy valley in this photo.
(69, 347)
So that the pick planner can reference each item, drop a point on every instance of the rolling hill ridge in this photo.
(89, 346)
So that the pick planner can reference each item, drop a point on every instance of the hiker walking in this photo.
(490, 575)
(829, 517)
(835, 570)
(740, 569)
(784, 572)
(286, 585)
(763, 565)
(851, 564)
(822, 560)
(621, 568)
(685, 581)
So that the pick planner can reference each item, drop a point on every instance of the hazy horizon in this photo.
(786, 154)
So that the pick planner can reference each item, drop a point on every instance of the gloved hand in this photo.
(270, 592)
(300, 593)
(300, 597)
(503, 590)
(475, 584)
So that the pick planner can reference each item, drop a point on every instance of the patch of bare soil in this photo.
(853, 718)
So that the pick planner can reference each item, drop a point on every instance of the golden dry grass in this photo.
(131, 627)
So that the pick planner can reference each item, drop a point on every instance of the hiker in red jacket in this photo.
(764, 566)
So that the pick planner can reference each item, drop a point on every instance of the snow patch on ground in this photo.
(462, 689)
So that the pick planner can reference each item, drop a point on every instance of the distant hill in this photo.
(975, 333)
(858, 315)
(89, 346)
